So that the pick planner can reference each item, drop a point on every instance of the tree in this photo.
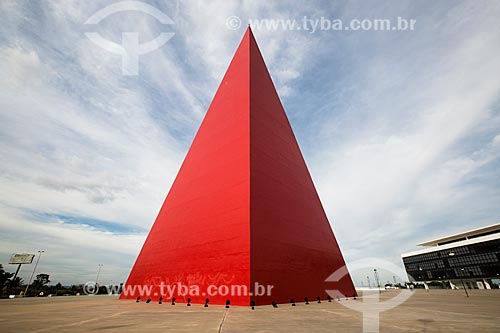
(4, 279)
(40, 281)
(4, 276)
(16, 283)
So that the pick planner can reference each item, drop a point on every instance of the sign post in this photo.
(20, 259)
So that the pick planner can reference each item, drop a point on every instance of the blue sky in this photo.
(400, 129)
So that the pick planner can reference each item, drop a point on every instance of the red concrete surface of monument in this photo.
(243, 208)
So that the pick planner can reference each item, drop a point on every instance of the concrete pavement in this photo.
(433, 311)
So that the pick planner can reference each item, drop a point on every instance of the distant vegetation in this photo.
(39, 286)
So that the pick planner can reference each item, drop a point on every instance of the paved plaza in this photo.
(432, 311)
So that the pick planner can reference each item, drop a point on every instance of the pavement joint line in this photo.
(222, 322)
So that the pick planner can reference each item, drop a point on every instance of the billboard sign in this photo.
(21, 258)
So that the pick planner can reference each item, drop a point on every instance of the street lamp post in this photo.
(97, 277)
(33, 273)
(451, 254)
(376, 278)
(421, 276)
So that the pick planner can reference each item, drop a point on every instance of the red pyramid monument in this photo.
(243, 208)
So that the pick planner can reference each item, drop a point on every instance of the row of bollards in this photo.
(306, 301)
(252, 303)
(160, 301)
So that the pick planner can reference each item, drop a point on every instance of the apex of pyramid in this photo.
(248, 40)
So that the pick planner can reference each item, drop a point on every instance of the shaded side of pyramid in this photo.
(292, 246)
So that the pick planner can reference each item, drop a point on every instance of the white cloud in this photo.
(398, 172)
(496, 141)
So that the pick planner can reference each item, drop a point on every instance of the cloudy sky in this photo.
(400, 129)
